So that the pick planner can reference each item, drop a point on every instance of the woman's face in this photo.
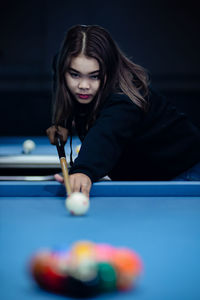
(82, 78)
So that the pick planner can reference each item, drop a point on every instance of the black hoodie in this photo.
(129, 144)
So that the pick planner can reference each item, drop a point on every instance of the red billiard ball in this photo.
(44, 269)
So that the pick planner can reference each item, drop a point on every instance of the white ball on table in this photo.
(28, 146)
(77, 203)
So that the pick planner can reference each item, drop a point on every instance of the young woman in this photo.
(128, 132)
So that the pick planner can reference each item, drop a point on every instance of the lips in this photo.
(83, 96)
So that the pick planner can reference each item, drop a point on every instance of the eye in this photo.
(95, 77)
(74, 75)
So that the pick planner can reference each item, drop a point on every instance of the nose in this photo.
(84, 83)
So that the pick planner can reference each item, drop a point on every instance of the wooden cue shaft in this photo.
(63, 163)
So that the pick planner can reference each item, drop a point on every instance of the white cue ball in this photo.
(77, 203)
(28, 146)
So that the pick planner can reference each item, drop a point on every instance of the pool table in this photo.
(159, 220)
(38, 165)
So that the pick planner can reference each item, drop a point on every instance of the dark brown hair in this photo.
(122, 75)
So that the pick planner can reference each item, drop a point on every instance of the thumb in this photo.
(59, 178)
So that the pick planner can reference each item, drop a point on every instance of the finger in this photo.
(72, 182)
(63, 132)
(51, 131)
(77, 185)
(85, 189)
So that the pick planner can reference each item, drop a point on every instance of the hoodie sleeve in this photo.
(104, 143)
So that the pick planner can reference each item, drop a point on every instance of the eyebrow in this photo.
(93, 72)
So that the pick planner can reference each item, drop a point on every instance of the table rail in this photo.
(101, 189)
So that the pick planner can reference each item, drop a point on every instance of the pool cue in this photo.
(63, 163)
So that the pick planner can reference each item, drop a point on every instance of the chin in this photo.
(85, 101)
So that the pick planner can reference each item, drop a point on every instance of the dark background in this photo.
(162, 36)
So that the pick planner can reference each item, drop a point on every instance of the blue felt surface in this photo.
(159, 221)
(165, 232)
